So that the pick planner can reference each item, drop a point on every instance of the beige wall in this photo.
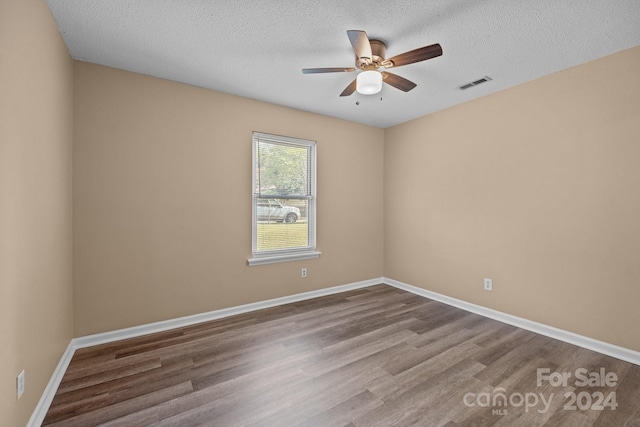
(36, 307)
(537, 187)
(162, 200)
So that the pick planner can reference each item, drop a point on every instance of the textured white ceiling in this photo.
(257, 48)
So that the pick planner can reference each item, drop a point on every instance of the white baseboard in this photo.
(136, 331)
(37, 417)
(41, 409)
(612, 350)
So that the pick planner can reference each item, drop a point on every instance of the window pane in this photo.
(282, 169)
(282, 224)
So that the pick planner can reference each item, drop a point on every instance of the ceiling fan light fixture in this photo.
(369, 82)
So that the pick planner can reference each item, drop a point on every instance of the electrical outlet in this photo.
(304, 272)
(20, 384)
(488, 284)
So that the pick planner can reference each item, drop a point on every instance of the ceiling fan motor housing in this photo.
(378, 53)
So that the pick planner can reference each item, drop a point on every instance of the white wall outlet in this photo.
(303, 273)
(488, 284)
(20, 384)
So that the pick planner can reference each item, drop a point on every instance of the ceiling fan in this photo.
(370, 56)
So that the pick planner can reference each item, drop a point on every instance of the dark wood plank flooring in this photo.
(376, 356)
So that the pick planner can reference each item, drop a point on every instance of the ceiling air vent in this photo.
(475, 83)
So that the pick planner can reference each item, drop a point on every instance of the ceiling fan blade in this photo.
(349, 89)
(360, 42)
(397, 81)
(416, 55)
(327, 70)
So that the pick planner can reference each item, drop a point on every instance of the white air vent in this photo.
(476, 83)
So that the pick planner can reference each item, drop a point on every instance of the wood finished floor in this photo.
(376, 356)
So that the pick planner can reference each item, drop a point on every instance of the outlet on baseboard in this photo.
(20, 384)
(488, 284)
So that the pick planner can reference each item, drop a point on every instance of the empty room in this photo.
(279, 213)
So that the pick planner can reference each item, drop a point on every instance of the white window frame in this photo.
(289, 254)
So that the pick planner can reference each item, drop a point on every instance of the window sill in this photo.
(272, 259)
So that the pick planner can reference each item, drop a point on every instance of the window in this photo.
(284, 199)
